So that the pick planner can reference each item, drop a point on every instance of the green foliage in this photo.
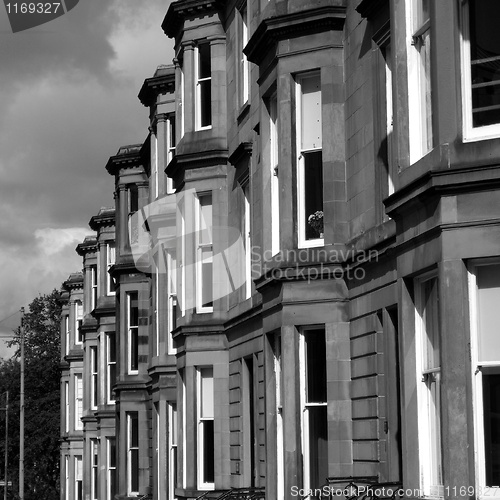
(42, 401)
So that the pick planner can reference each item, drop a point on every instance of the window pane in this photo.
(208, 451)
(318, 446)
(205, 69)
(207, 278)
(134, 309)
(134, 350)
(205, 223)
(134, 457)
(485, 61)
(431, 319)
(313, 187)
(491, 402)
(311, 112)
(207, 393)
(488, 283)
(316, 366)
(206, 103)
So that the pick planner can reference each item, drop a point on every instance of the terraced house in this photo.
(307, 271)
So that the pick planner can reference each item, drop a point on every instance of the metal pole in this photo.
(21, 414)
(5, 478)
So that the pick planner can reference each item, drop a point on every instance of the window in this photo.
(78, 478)
(133, 206)
(111, 467)
(275, 340)
(78, 315)
(133, 332)
(182, 98)
(94, 378)
(110, 262)
(314, 410)
(485, 344)
(429, 386)
(204, 254)
(66, 333)
(203, 71)
(206, 445)
(419, 78)
(132, 453)
(273, 163)
(248, 420)
(310, 159)
(243, 66)
(66, 407)
(94, 469)
(246, 236)
(78, 402)
(182, 387)
(172, 450)
(481, 69)
(172, 301)
(93, 287)
(110, 366)
(67, 494)
(158, 455)
(170, 149)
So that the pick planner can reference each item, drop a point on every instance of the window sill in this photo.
(243, 112)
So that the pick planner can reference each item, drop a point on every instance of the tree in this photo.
(41, 399)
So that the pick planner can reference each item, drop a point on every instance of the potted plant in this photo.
(315, 220)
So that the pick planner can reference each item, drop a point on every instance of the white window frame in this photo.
(277, 356)
(389, 115)
(78, 317)
(430, 455)
(243, 64)
(94, 377)
(130, 450)
(205, 228)
(93, 287)
(110, 262)
(66, 478)
(301, 215)
(305, 406)
(182, 376)
(273, 163)
(94, 469)
(247, 240)
(66, 333)
(202, 485)
(78, 385)
(110, 469)
(132, 330)
(66, 407)
(78, 476)
(170, 126)
(172, 300)
(421, 135)
(483, 492)
(182, 98)
(110, 338)
(471, 133)
(198, 82)
(182, 263)
(172, 449)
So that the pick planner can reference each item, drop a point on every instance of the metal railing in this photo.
(355, 488)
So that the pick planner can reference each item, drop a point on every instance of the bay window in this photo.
(428, 348)
(110, 366)
(110, 261)
(132, 453)
(485, 350)
(78, 402)
(94, 378)
(314, 407)
(203, 72)
(133, 332)
(93, 287)
(111, 467)
(205, 413)
(78, 315)
(204, 253)
(481, 69)
(310, 160)
(94, 469)
(419, 79)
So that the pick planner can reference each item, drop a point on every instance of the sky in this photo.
(68, 101)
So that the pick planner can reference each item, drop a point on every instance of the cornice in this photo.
(163, 82)
(89, 244)
(243, 150)
(105, 217)
(200, 159)
(75, 281)
(127, 157)
(181, 10)
(283, 27)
